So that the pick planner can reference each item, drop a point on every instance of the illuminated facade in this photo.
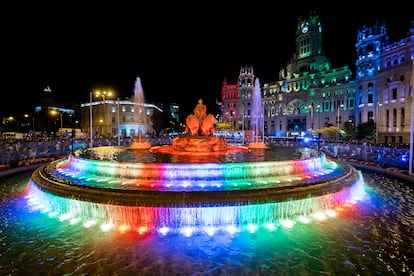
(309, 94)
(384, 82)
(110, 117)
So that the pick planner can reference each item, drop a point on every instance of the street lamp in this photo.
(376, 120)
(103, 94)
(54, 112)
(118, 123)
(90, 120)
(33, 122)
(243, 122)
(311, 115)
(318, 116)
(338, 120)
(263, 119)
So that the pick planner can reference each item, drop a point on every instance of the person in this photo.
(200, 111)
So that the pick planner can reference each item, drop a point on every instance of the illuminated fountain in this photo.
(139, 99)
(257, 116)
(192, 190)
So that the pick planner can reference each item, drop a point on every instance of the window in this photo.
(387, 118)
(388, 63)
(402, 58)
(351, 103)
(394, 117)
(304, 46)
(370, 116)
(394, 93)
(394, 60)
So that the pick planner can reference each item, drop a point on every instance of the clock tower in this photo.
(309, 36)
(309, 55)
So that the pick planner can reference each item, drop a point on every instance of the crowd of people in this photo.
(15, 153)
(382, 155)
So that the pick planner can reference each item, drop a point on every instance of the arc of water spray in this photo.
(139, 100)
(257, 108)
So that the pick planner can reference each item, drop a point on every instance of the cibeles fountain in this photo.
(197, 185)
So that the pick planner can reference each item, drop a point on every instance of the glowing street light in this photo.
(55, 112)
(104, 95)
(33, 122)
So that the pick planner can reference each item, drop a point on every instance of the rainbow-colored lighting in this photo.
(209, 219)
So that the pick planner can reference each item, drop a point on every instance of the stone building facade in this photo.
(309, 94)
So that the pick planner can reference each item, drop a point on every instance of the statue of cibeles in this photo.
(200, 133)
(200, 123)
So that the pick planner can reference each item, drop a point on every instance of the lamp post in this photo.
(243, 121)
(61, 117)
(338, 120)
(103, 94)
(90, 120)
(33, 122)
(376, 120)
(311, 115)
(118, 123)
(263, 125)
(318, 116)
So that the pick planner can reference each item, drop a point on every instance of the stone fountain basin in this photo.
(192, 184)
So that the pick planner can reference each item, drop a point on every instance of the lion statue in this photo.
(193, 125)
(207, 125)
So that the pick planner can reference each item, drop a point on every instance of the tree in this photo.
(162, 120)
(329, 133)
(9, 124)
(349, 131)
(367, 131)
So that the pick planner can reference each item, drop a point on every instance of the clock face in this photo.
(305, 28)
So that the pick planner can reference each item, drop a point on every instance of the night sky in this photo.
(181, 53)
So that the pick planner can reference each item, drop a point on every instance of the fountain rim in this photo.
(150, 198)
